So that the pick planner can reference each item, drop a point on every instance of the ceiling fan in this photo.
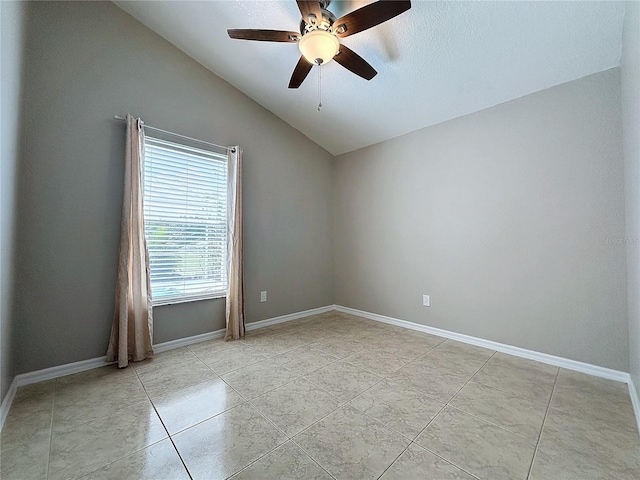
(320, 34)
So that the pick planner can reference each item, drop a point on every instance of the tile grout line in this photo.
(389, 376)
(264, 393)
(442, 409)
(289, 439)
(338, 359)
(434, 454)
(384, 377)
(209, 418)
(394, 460)
(268, 451)
(454, 396)
(506, 391)
(484, 420)
(217, 376)
(342, 404)
(303, 376)
(315, 369)
(267, 357)
(490, 387)
(314, 460)
(449, 462)
(163, 425)
(230, 371)
(111, 413)
(247, 400)
(86, 475)
(53, 409)
(348, 402)
(267, 419)
(535, 452)
(307, 344)
(427, 425)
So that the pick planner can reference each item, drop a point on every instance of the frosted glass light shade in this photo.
(319, 47)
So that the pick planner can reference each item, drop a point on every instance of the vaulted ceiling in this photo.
(435, 62)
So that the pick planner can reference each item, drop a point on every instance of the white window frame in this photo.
(173, 197)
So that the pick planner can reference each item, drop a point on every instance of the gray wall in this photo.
(512, 218)
(11, 55)
(87, 62)
(630, 70)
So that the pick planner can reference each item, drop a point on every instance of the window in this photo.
(185, 215)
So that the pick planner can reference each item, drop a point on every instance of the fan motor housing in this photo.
(325, 24)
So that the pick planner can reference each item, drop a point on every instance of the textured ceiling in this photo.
(435, 62)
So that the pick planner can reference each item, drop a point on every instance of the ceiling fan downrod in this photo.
(319, 87)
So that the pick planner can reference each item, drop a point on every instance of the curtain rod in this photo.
(117, 117)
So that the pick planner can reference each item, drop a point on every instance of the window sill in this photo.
(175, 301)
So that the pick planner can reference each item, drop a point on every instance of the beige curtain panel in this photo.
(132, 330)
(235, 273)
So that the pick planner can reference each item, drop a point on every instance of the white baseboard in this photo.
(183, 342)
(61, 370)
(7, 401)
(635, 401)
(81, 366)
(289, 317)
(75, 367)
(500, 347)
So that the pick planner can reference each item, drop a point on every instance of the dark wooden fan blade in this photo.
(310, 8)
(354, 62)
(369, 16)
(300, 73)
(264, 35)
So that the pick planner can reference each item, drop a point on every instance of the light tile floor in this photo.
(329, 396)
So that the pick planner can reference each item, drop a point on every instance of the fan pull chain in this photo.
(319, 87)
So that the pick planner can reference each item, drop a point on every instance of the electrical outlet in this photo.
(426, 300)
(263, 296)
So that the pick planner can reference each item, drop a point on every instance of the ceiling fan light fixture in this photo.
(320, 34)
(319, 46)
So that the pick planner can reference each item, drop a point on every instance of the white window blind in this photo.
(185, 209)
